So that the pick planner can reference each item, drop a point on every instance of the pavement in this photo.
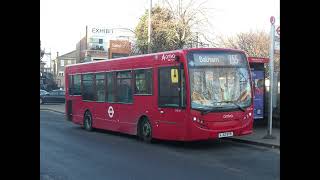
(256, 138)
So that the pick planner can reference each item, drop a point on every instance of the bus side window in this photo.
(110, 87)
(124, 86)
(76, 84)
(70, 82)
(143, 81)
(88, 86)
(100, 87)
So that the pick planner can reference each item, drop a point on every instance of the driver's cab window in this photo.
(172, 91)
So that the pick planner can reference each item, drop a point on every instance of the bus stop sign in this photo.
(272, 20)
(278, 30)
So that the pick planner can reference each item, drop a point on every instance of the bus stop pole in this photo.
(271, 54)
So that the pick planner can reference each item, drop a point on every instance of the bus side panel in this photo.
(168, 131)
(101, 119)
(77, 109)
(143, 106)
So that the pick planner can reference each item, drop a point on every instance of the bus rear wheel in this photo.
(145, 130)
(87, 121)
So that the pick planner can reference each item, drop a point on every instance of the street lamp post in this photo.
(149, 28)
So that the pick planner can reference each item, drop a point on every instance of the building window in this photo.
(61, 73)
(100, 86)
(124, 87)
(100, 41)
(88, 87)
(62, 63)
(143, 81)
(110, 87)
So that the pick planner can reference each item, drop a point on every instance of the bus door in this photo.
(73, 103)
(171, 115)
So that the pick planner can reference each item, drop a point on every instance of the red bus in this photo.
(185, 95)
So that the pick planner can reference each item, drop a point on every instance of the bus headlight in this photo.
(194, 118)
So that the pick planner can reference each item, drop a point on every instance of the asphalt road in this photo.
(69, 152)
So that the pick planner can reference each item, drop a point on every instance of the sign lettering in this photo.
(168, 57)
(105, 31)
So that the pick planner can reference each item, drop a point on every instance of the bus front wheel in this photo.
(87, 121)
(145, 130)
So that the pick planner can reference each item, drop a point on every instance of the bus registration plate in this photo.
(225, 134)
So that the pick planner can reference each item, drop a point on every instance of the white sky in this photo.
(62, 22)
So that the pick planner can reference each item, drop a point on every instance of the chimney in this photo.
(57, 54)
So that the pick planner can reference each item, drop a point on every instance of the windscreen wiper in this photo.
(236, 104)
(215, 108)
(210, 110)
(241, 108)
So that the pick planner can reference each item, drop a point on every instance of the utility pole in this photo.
(197, 34)
(149, 27)
(272, 31)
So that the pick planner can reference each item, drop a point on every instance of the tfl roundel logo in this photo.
(110, 111)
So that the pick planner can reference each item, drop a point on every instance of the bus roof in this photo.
(158, 53)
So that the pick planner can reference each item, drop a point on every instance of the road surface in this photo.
(69, 152)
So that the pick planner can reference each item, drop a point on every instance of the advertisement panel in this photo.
(258, 102)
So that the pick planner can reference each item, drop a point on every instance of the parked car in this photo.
(43, 92)
(55, 96)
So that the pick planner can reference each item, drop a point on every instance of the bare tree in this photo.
(191, 21)
(254, 43)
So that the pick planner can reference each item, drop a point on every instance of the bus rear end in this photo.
(220, 94)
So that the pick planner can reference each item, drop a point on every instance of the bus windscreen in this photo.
(219, 80)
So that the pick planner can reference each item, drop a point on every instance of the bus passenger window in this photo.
(70, 83)
(100, 87)
(77, 84)
(88, 87)
(124, 87)
(143, 84)
(110, 87)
